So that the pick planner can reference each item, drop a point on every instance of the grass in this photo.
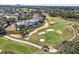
(51, 37)
(57, 19)
(2, 40)
(58, 26)
(59, 23)
(16, 47)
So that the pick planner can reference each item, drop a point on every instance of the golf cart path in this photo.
(36, 30)
(74, 34)
(29, 43)
(26, 42)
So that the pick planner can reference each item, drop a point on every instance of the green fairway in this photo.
(2, 40)
(57, 19)
(59, 26)
(16, 47)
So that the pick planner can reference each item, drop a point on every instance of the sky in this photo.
(39, 2)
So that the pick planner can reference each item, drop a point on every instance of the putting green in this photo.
(51, 37)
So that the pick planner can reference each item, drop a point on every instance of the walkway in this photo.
(74, 34)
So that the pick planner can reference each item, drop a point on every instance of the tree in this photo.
(70, 47)
(2, 31)
(23, 32)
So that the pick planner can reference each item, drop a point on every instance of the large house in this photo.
(28, 24)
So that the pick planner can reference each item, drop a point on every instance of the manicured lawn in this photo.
(56, 19)
(2, 40)
(59, 26)
(51, 37)
(16, 47)
(59, 23)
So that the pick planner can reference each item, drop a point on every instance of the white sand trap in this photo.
(64, 20)
(41, 33)
(0, 50)
(26, 38)
(48, 30)
(51, 22)
(42, 40)
(59, 32)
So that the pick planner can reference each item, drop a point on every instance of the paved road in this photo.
(26, 42)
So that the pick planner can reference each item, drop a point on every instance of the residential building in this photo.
(28, 24)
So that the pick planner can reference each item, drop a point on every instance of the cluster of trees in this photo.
(65, 13)
(28, 14)
(2, 31)
(70, 47)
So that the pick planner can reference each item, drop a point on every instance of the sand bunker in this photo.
(42, 40)
(59, 32)
(41, 33)
(0, 50)
(48, 30)
(51, 22)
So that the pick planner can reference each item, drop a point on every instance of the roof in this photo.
(28, 22)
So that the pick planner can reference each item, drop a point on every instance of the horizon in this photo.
(41, 2)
